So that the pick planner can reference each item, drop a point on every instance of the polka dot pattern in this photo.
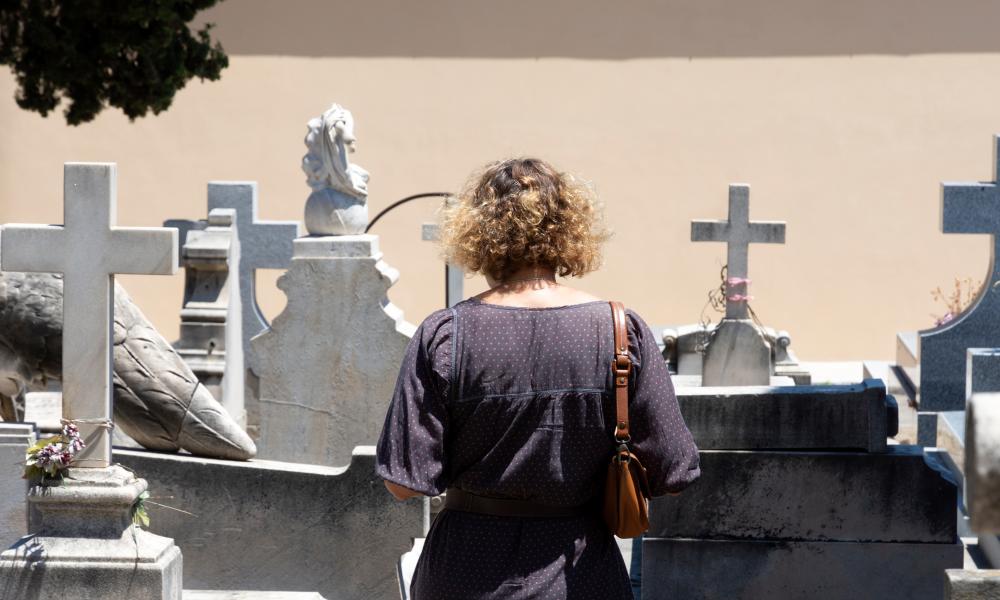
(516, 402)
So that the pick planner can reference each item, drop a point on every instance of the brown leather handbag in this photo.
(627, 489)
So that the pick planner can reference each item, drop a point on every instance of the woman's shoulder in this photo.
(436, 324)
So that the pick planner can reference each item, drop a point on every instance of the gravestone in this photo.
(982, 441)
(273, 525)
(82, 545)
(801, 497)
(328, 363)
(454, 277)
(263, 245)
(684, 350)
(965, 208)
(737, 353)
(211, 321)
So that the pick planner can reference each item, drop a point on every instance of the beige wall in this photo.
(843, 117)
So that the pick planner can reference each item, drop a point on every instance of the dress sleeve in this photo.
(660, 438)
(411, 448)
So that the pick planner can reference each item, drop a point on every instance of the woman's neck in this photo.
(533, 287)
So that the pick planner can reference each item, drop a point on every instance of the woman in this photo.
(506, 401)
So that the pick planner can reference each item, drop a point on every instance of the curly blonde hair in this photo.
(522, 212)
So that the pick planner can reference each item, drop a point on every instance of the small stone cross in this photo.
(88, 249)
(975, 208)
(263, 245)
(454, 278)
(738, 232)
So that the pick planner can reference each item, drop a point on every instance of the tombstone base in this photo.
(85, 546)
(328, 392)
(737, 354)
(927, 429)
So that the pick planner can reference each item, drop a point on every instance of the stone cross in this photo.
(738, 233)
(972, 207)
(88, 249)
(263, 245)
(454, 278)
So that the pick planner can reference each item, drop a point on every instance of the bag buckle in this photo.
(621, 370)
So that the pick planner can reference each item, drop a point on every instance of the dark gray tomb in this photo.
(801, 497)
(938, 384)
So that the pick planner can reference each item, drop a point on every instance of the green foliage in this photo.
(140, 518)
(133, 55)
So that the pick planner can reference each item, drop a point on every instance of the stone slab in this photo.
(755, 570)
(14, 441)
(903, 495)
(689, 381)
(927, 428)
(247, 595)
(982, 371)
(44, 409)
(327, 366)
(982, 462)
(737, 354)
(858, 417)
(972, 585)
(951, 436)
(263, 525)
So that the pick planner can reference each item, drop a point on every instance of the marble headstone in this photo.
(738, 352)
(89, 249)
(329, 361)
(82, 543)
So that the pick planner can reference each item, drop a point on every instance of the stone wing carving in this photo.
(158, 400)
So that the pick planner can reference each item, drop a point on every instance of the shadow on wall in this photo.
(598, 29)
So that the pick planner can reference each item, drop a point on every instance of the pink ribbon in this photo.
(739, 298)
(738, 281)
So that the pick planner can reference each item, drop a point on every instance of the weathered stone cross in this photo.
(89, 249)
(738, 233)
(263, 245)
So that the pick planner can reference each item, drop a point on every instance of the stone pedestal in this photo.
(84, 545)
(737, 354)
(211, 321)
(328, 364)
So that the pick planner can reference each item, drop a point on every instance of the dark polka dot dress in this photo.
(514, 402)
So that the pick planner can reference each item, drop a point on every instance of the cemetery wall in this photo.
(844, 118)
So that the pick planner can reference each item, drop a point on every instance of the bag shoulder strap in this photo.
(621, 366)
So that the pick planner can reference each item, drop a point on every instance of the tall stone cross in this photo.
(88, 249)
(738, 232)
(263, 245)
(972, 207)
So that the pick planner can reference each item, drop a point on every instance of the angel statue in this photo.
(338, 204)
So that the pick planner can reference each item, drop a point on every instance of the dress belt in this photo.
(456, 499)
